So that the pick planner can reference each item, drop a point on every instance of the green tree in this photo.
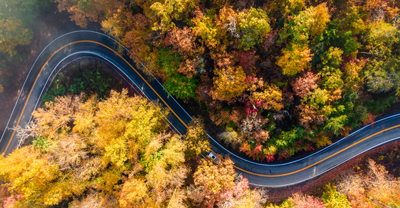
(331, 78)
(333, 37)
(332, 57)
(380, 39)
(336, 124)
(307, 24)
(318, 97)
(252, 26)
(334, 199)
(181, 87)
(383, 76)
(168, 62)
(354, 20)
(287, 139)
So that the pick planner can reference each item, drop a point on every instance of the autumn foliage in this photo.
(295, 59)
(299, 73)
(117, 152)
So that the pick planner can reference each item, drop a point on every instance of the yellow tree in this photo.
(316, 19)
(134, 193)
(84, 123)
(333, 199)
(120, 139)
(289, 7)
(295, 59)
(29, 173)
(210, 180)
(382, 186)
(253, 25)
(57, 115)
(196, 139)
(270, 98)
(165, 172)
(307, 24)
(168, 10)
(229, 83)
(205, 27)
(125, 125)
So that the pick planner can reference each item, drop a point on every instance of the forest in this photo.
(275, 77)
(119, 152)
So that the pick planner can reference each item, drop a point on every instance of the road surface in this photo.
(94, 44)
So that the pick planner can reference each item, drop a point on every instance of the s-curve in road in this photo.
(94, 44)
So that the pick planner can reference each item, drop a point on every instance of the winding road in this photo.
(94, 44)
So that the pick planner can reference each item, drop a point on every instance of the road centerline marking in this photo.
(262, 175)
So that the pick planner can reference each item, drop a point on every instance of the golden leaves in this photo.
(134, 192)
(271, 98)
(57, 115)
(210, 180)
(229, 83)
(295, 59)
(196, 139)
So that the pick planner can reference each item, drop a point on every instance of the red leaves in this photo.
(350, 59)
(269, 158)
(269, 39)
(250, 80)
(304, 84)
(258, 149)
(256, 153)
(250, 108)
(309, 147)
(247, 59)
(370, 120)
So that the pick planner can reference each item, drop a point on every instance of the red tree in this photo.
(304, 84)
(247, 59)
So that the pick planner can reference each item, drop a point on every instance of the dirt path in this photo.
(50, 24)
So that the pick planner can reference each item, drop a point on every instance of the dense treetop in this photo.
(278, 77)
(118, 152)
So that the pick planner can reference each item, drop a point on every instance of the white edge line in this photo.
(327, 170)
(237, 156)
(243, 159)
(107, 62)
(20, 92)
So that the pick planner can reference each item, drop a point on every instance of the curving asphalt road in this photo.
(94, 44)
